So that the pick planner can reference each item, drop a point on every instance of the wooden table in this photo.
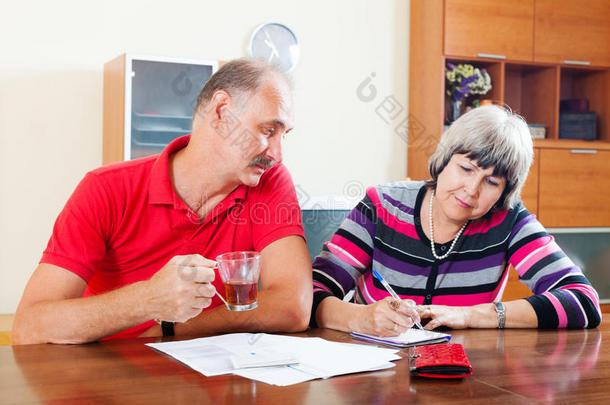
(510, 366)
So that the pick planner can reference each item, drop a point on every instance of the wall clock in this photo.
(276, 44)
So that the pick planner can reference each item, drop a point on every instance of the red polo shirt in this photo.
(124, 222)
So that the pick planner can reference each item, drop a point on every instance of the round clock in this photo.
(275, 44)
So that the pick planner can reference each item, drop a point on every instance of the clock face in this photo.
(276, 44)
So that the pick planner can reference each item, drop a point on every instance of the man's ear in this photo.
(221, 117)
(219, 105)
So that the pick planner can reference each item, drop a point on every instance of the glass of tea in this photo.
(239, 272)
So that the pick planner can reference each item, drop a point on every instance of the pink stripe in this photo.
(484, 226)
(528, 248)
(396, 224)
(372, 193)
(500, 289)
(389, 219)
(552, 247)
(375, 293)
(319, 286)
(561, 312)
(352, 248)
(463, 300)
(452, 300)
(379, 294)
(588, 291)
(343, 257)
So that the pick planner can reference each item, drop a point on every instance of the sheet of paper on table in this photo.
(305, 358)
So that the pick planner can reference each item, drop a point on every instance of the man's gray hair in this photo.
(492, 136)
(239, 77)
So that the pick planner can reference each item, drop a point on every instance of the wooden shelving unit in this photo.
(537, 53)
(526, 82)
(534, 90)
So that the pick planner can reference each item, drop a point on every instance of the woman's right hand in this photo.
(387, 317)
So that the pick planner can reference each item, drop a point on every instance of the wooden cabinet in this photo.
(499, 29)
(551, 31)
(568, 31)
(427, 84)
(514, 289)
(529, 193)
(574, 187)
(440, 34)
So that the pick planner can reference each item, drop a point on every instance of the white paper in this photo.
(317, 358)
(263, 358)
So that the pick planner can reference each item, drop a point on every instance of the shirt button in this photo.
(443, 248)
(428, 296)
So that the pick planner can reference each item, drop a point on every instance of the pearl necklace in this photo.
(437, 257)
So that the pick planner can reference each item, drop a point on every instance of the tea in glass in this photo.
(239, 272)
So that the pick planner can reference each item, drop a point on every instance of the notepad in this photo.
(412, 337)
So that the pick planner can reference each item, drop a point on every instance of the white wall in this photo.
(51, 62)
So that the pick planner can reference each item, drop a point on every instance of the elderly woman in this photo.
(444, 245)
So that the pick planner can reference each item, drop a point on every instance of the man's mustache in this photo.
(262, 161)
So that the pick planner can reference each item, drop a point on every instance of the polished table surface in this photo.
(510, 366)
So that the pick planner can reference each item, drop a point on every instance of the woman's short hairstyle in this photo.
(492, 136)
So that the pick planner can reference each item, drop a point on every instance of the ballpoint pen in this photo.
(391, 291)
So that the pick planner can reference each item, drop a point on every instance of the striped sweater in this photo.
(384, 232)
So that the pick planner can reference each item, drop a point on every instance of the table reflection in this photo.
(545, 365)
(554, 364)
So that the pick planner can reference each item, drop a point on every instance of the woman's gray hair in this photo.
(492, 136)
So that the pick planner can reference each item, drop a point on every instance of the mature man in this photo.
(134, 242)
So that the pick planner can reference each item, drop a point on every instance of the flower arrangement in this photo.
(464, 80)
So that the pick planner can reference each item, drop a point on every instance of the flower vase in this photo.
(456, 110)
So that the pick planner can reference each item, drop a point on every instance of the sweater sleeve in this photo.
(563, 297)
(346, 256)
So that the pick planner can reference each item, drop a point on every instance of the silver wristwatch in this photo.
(501, 311)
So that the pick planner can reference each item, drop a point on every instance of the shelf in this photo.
(570, 144)
(592, 84)
(532, 91)
(496, 73)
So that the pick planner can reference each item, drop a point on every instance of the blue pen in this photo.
(391, 291)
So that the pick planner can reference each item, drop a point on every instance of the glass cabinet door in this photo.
(163, 98)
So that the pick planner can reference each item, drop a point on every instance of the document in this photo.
(412, 337)
(276, 359)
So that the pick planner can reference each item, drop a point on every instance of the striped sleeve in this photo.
(563, 298)
(346, 255)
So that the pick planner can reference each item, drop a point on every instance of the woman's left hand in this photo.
(443, 315)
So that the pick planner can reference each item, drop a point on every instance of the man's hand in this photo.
(181, 289)
(284, 303)
(387, 317)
